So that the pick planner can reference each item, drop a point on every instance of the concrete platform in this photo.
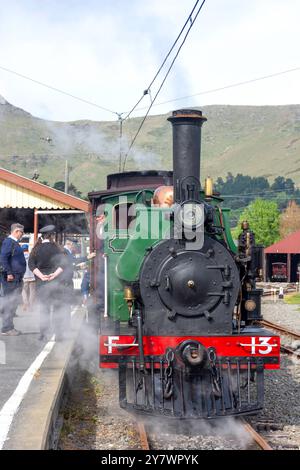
(32, 380)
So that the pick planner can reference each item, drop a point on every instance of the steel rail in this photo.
(283, 330)
(290, 351)
(280, 328)
(260, 441)
(143, 435)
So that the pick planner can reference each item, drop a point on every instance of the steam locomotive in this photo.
(176, 299)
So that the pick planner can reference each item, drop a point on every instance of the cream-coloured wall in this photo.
(14, 196)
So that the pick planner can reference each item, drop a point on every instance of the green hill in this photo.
(253, 140)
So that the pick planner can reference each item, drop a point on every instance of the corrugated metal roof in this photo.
(19, 192)
(290, 244)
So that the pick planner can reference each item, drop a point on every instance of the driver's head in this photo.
(163, 196)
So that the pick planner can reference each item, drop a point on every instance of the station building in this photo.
(34, 205)
(286, 251)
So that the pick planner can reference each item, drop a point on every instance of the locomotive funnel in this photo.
(186, 153)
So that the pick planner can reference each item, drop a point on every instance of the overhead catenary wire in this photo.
(119, 115)
(213, 90)
(224, 87)
(147, 90)
(192, 22)
(58, 90)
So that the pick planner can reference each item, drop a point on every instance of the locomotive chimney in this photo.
(186, 153)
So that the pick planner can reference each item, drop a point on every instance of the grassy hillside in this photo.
(254, 140)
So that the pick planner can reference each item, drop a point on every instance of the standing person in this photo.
(28, 292)
(85, 284)
(46, 261)
(70, 266)
(101, 218)
(72, 260)
(13, 266)
(67, 277)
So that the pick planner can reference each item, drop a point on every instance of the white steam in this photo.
(70, 140)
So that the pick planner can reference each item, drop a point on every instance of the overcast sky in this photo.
(107, 51)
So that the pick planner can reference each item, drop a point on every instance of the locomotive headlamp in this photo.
(190, 215)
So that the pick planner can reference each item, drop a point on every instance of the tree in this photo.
(282, 184)
(60, 185)
(74, 191)
(290, 219)
(240, 190)
(263, 217)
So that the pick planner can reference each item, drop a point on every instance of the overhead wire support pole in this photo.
(162, 83)
(67, 177)
(120, 119)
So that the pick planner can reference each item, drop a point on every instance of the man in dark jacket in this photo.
(47, 262)
(13, 267)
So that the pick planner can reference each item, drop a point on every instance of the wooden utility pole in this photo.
(67, 177)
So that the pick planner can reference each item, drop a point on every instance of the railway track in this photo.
(280, 329)
(285, 331)
(256, 437)
(143, 435)
(290, 351)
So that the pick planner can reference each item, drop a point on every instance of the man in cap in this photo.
(47, 263)
(13, 267)
(72, 260)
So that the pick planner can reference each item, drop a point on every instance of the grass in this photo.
(293, 299)
(80, 415)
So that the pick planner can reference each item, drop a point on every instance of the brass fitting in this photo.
(129, 298)
(128, 294)
(208, 187)
(248, 244)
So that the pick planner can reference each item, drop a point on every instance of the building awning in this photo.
(13, 196)
(22, 193)
(290, 244)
